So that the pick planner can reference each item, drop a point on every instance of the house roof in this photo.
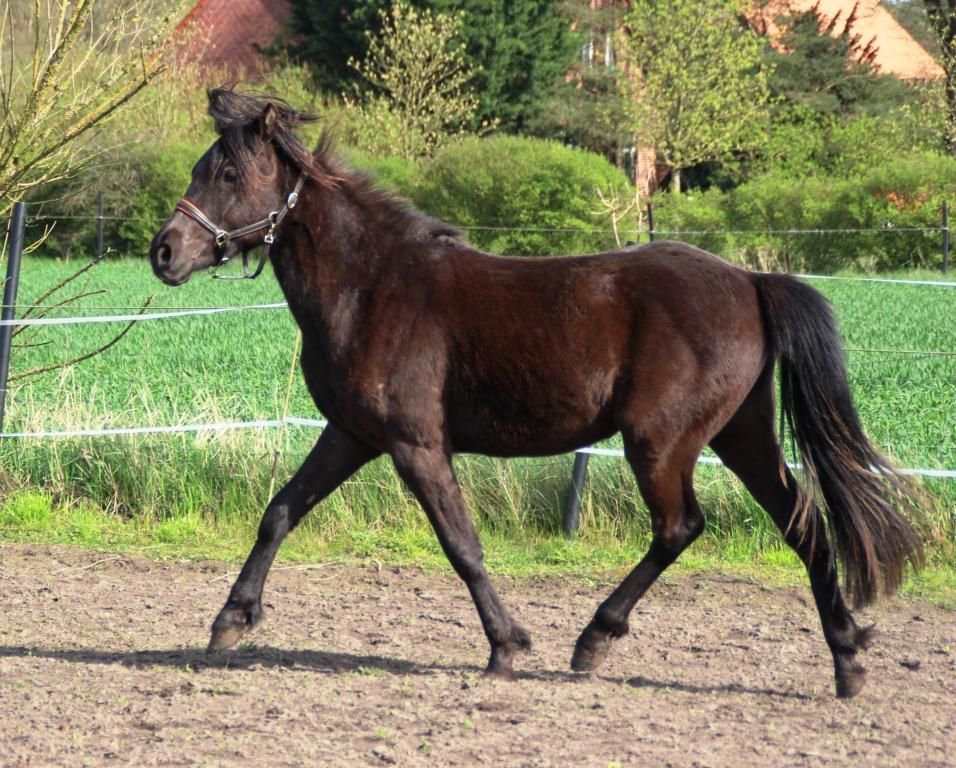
(897, 51)
(226, 34)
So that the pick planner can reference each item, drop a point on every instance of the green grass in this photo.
(35, 516)
(201, 495)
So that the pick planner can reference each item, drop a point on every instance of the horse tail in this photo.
(867, 499)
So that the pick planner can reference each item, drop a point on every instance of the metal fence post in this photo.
(650, 222)
(17, 224)
(572, 508)
(945, 236)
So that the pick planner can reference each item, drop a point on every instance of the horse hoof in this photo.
(224, 638)
(499, 665)
(230, 625)
(499, 671)
(590, 650)
(850, 683)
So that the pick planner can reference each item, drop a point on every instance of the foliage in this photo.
(942, 19)
(326, 36)
(826, 68)
(493, 185)
(157, 181)
(77, 72)
(699, 92)
(589, 108)
(416, 76)
(394, 173)
(879, 206)
(519, 50)
(810, 143)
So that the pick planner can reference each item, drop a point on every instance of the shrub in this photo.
(699, 218)
(495, 187)
(159, 177)
(397, 174)
(890, 214)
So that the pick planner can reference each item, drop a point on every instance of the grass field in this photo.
(203, 494)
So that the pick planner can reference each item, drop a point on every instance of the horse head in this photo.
(241, 188)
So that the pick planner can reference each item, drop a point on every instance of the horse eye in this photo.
(229, 175)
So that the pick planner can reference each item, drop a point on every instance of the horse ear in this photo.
(269, 121)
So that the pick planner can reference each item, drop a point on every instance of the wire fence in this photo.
(304, 422)
(124, 314)
(554, 237)
(637, 232)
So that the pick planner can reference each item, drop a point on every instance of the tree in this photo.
(698, 90)
(589, 108)
(327, 34)
(519, 50)
(942, 18)
(63, 74)
(416, 97)
(826, 67)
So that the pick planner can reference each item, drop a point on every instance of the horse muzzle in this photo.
(167, 259)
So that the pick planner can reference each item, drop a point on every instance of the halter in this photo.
(223, 236)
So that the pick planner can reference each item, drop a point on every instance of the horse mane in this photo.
(237, 117)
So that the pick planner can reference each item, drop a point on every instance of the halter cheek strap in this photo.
(223, 236)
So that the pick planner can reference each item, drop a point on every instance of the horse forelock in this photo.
(237, 117)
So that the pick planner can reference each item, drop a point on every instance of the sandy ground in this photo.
(102, 663)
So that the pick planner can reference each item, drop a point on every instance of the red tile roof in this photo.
(898, 53)
(225, 34)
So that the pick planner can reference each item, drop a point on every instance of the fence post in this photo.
(945, 236)
(17, 225)
(99, 226)
(650, 222)
(572, 507)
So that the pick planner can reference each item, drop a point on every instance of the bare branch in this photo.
(57, 366)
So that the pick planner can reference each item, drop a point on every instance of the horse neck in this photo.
(329, 255)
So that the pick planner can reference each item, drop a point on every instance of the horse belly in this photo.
(529, 417)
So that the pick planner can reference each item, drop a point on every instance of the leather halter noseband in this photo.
(223, 236)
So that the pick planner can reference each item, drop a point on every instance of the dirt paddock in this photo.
(102, 663)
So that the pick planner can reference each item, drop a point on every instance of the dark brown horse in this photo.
(417, 346)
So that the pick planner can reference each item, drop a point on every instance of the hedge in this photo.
(495, 186)
(757, 223)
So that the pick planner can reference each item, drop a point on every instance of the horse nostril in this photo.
(164, 255)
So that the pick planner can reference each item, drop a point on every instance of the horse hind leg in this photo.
(748, 446)
(676, 520)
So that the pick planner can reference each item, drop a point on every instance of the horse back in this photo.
(544, 355)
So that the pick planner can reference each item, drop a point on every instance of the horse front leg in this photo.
(335, 457)
(429, 474)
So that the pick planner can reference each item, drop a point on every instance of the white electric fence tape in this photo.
(298, 421)
(305, 422)
(136, 318)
